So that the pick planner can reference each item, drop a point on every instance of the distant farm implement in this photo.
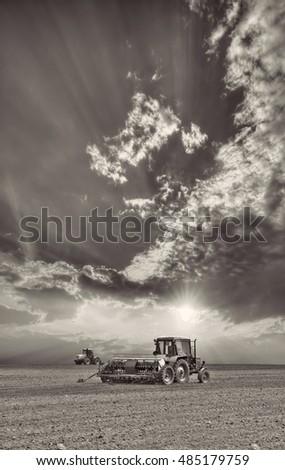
(87, 357)
(174, 360)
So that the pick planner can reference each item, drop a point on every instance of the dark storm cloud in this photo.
(11, 316)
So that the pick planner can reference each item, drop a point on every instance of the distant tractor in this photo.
(87, 357)
(175, 360)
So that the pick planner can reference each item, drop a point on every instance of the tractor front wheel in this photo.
(182, 371)
(203, 376)
(167, 375)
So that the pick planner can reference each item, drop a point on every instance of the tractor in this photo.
(87, 357)
(174, 360)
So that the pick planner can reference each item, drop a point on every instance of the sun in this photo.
(187, 313)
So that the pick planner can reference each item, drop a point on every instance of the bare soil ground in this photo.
(45, 408)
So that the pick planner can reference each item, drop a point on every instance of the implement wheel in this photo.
(204, 376)
(96, 360)
(104, 369)
(182, 371)
(167, 375)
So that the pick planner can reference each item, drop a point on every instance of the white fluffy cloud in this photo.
(150, 264)
(194, 139)
(197, 6)
(228, 22)
(106, 166)
(147, 128)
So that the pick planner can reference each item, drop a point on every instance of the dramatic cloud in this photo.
(150, 265)
(229, 20)
(106, 166)
(194, 139)
(143, 206)
(243, 281)
(256, 61)
(38, 275)
(55, 291)
(197, 6)
(147, 128)
(171, 197)
(101, 277)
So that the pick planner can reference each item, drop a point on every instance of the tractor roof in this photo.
(170, 338)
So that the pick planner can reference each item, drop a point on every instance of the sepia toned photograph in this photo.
(142, 226)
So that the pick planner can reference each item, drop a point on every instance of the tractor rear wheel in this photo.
(182, 371)
(167, 375)
(86, 361)
(204, 376)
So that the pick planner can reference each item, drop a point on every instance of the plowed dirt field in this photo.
(45, 408)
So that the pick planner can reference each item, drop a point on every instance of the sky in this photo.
(152, 108)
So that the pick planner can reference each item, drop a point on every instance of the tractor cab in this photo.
(88, 352)
(172, 348)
